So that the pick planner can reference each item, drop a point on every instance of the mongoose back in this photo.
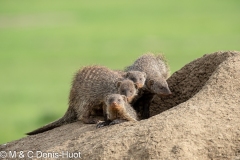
(89, 88)
(157, 72)
(118, 110)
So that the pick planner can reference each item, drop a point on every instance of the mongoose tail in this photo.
(69, 117)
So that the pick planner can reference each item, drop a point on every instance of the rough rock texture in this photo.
(201, 120)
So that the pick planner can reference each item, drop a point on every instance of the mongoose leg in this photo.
(105, 112)
(103, 123)
(106, 121)
(136, 105)
(142, 105)
(117, 121)
(86, 118)
(145, 112)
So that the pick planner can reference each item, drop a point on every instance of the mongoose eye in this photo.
(133, 79)
(110, 99)
(161, 87)
(119, 100)
(140, 79)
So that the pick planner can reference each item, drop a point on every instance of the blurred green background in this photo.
(43, 43)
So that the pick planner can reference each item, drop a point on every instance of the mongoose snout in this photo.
(139, 85)
(114, 105)
(166, 92)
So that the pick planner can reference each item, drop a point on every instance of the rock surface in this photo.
(201, 120)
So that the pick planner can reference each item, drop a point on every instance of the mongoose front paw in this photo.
(102, 124)
(117, 121)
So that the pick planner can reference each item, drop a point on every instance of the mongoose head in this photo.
(137, 77)
(159, 87)
(128, 88)
(115, 102)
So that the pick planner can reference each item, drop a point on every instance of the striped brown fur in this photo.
(90, 86)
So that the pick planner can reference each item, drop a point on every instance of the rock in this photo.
(201, 120)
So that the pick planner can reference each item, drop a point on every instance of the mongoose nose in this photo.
(139, 85)
(115, 103)
(167, 92)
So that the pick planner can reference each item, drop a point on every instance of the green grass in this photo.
(43, 43)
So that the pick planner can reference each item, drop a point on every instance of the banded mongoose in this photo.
(157, 72)
(89, 88)
(118, 110)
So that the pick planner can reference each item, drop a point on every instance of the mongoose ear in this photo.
(124, 98)
(127, 75)
(145, 75)
(106, 98)
(150, 82)
(118, 84)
